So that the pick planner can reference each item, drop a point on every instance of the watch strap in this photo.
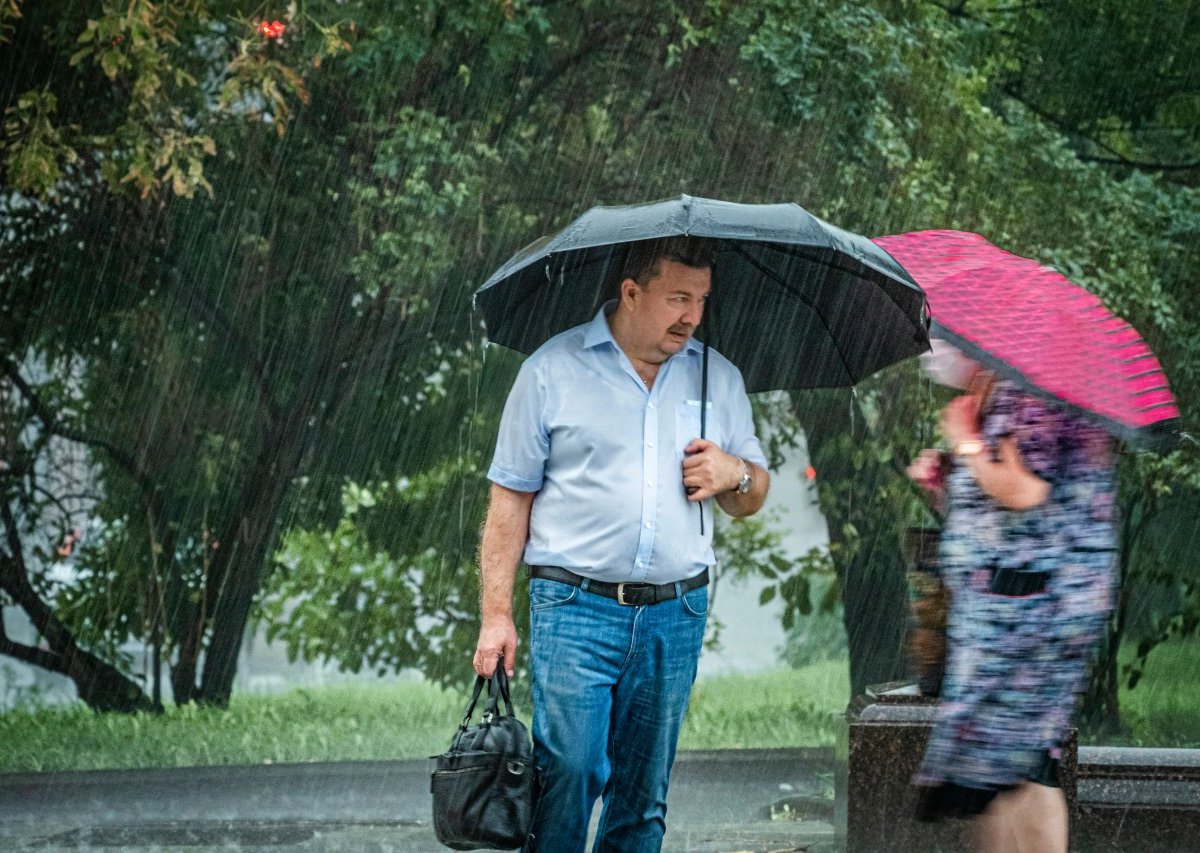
(747, 480)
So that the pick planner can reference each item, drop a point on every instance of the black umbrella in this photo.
(796, 302)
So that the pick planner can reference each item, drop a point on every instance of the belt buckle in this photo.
(637, 587)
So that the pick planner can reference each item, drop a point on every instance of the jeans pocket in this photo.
(695, 602)
(547, 593)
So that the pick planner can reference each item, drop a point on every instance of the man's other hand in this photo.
(708, 470)
(497, 637)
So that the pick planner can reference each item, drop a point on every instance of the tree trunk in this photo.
(875, 610)
(187, 661)
(873, 577)
(250, 544)
(1101, 710)
(101, 686)
(237, 570)
(1101, 707)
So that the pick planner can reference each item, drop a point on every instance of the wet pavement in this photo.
(736, 801)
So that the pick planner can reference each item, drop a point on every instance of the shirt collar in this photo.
(598, 331)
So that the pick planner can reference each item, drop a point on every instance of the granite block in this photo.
(1119, 798)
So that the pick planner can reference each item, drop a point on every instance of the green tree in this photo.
(245, 259)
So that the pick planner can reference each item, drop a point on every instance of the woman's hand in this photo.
(926, 469)
(960, 419)
(929, 471)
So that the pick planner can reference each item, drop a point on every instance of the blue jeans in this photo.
(610, 689)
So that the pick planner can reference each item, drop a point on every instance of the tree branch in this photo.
(236, 341)
(1117, 159)
(1137, 164)
(31, 655)
(52, 425)
(552, 75)
(14, 578)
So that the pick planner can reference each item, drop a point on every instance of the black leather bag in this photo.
(485, 786)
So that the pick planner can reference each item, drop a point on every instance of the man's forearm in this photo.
(505, 532)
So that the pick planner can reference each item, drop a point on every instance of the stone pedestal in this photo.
(885, 739)
(1133, 798)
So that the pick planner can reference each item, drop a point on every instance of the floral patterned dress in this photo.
(1031, 591)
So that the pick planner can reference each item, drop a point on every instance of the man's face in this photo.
(667, 310)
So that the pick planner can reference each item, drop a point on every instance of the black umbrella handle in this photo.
(703, 415)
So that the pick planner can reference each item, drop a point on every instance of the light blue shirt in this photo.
(605, 455)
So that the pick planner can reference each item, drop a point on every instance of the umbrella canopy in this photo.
(796, 302)
(1032, 325)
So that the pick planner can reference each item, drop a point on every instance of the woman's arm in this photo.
(1007, 480)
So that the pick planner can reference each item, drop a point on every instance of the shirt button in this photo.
(640, 564)
(649, 443)
(651, 405)
(647, 525)
(650, 483)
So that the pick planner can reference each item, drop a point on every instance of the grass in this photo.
(792, 707)
(1164, 709)
(408, 720)
(788, 708)
(379, 722)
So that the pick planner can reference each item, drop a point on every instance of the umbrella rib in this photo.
(1127, 432)
(774, 276)
(794, 249)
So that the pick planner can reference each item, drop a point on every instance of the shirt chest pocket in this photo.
(687, 425)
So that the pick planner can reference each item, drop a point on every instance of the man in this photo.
(598, 480)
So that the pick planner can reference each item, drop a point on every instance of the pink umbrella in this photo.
(1032, 325)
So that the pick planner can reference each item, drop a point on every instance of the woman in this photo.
(1027, 552)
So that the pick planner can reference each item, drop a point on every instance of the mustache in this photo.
(685, 329)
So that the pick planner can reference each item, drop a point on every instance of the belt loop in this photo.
(679, 589)
(585, 582)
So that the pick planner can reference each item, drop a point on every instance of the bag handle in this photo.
(497, 689)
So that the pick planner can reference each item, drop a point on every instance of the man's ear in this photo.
(630, 290)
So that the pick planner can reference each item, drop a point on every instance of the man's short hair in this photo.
(642, 262)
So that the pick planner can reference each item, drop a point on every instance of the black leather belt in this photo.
(629, 593)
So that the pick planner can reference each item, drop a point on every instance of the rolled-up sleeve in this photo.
(523, 443)
(1036, 427)
(742, 440)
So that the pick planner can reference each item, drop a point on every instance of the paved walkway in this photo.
(737, 801)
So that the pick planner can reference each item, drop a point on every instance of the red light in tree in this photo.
(271, 30)
(810, 472)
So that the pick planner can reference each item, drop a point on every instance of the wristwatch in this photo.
(970, 447)
(744, 484)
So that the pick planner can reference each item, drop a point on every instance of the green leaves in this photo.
(426, 185)
(272, 241)
(343, 595)
(37, 153)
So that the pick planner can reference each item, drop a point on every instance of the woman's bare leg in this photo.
(993, 830)
(1031, 818)
(1040, 819)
